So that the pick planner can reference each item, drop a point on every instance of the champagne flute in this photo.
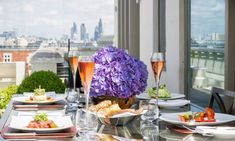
(86, 67)
(73, 60)
(157, 62)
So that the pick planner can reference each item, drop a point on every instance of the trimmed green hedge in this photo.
(46, 79)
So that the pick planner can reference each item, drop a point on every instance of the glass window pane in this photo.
(39, 30)
(207, 44)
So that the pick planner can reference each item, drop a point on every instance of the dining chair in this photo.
(219, 95)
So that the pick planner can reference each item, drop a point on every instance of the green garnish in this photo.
(39, 91)
(41, 117)
(163, 92)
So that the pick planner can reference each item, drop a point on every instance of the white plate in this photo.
(23, 99)
(173, 103)
(20, 123)
(173, 118)
(173, 96)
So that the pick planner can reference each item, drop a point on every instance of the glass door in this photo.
(207, 25)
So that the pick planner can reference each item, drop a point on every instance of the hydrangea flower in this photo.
(117, 74)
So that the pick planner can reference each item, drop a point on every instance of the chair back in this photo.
(217, 94)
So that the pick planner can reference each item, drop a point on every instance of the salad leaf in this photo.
(41, 117)
(163, 92)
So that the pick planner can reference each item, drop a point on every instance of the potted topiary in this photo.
(48, 80)
(118, 77)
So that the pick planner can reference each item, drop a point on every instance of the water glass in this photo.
(72, 95)
(152, 110)
(87, 124)
(149, 130)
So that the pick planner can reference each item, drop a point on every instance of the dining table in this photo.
(133, 130)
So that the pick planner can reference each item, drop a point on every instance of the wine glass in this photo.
(73, 60)
(157, 62)
(86, 67)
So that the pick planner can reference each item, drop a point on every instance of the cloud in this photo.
(1, 10)
(40, 16)
(27, 8)
(207, 17)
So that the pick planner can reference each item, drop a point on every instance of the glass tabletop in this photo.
(135, 129)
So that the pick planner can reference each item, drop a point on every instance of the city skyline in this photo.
(54, 18)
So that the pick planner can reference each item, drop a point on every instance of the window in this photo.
(206, 48)
(43, 29)
(7, 57)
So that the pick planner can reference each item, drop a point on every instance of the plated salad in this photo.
(41, 121)
(206, 116)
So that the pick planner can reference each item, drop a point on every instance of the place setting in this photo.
(39, 99)
(39, 126)
(206, 123)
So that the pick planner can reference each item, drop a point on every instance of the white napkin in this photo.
(173, 103)
(219, 131)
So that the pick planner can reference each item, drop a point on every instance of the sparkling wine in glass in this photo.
(86, 67)
(73, 61)
(158, 63)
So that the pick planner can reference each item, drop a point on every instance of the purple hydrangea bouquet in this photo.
(117, 74)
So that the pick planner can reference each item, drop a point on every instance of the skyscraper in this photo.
(83, 32)
(96, 33)
(74, 31)
(100, 26)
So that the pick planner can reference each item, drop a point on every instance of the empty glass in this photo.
(149, 131)
(152, 110)
(87, 124)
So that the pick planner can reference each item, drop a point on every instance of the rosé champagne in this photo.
(74, 63)
(86, 70)
(157, 67)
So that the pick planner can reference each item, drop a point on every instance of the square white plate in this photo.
(21, 123)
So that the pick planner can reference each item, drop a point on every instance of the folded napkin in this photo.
(218, 131)
(173, 103)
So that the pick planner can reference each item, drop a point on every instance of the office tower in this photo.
(83, 32)
(100, 26)
(96, 33)
(74, 31)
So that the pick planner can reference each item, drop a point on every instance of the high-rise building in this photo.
(100, 26)
(96, 33)
(74, 31)
(83, 32)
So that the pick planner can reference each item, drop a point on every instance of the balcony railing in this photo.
(207, 67)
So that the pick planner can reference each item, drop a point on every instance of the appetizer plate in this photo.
(25, 99)
(145, 96)
(173, 103)
(173, 118)
(21, 123)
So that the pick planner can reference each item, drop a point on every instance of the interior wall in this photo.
(172, 75)
(146, 35)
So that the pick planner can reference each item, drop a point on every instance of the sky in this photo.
(53, 18)
(207, 16)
